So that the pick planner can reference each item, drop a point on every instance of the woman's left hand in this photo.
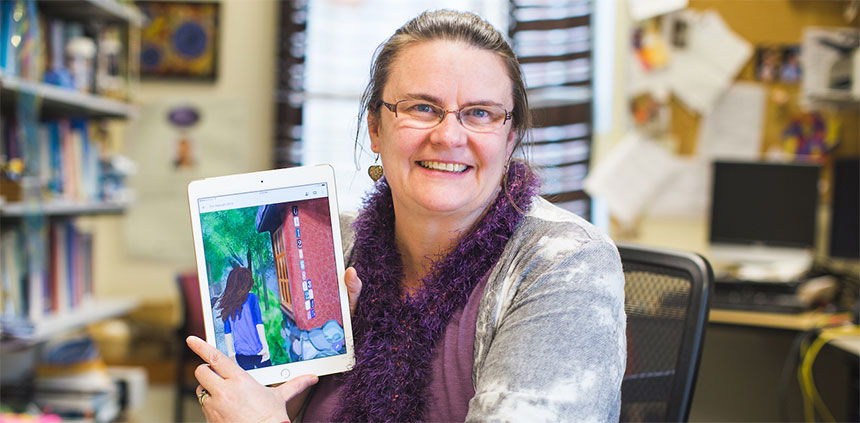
(233, 395)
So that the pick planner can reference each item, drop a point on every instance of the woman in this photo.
(244, 333)
(472, 297)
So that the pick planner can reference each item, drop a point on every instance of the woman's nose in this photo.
(449, 132)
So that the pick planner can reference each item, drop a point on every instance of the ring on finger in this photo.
(203, 394)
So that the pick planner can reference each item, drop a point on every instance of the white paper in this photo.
(817, 61)
(687, 194)
(711, 58)
(696, 83)
(733, 130)
(715, 42)
(644, 9)
(630, 176)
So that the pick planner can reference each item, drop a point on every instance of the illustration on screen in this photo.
(273, 282)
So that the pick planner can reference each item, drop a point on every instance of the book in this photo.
(9, 38)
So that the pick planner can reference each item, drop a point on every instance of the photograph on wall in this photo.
(790, 71)
(179, 40)
(768, 63)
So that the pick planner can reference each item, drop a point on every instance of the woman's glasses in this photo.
(420, 114)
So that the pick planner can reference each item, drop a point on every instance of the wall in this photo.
(741, 367)
(759, 22)
(245, 73)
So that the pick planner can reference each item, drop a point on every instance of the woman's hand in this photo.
(233, 395)
(353, 287)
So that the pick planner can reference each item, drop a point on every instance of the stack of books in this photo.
(73, 382)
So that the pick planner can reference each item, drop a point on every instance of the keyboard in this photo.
(757, 296)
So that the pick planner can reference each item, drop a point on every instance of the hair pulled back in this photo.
(446, 25)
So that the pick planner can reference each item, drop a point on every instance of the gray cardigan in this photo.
(550, 339)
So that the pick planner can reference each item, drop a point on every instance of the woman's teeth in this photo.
(447, 167)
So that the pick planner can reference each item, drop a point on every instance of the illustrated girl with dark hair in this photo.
(243, 323)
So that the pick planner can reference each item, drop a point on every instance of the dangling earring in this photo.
(375, 170)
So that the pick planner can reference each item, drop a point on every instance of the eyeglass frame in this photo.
(392, 107)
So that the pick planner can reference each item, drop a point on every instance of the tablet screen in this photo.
(272, 275)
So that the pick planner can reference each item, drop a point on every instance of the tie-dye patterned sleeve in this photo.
(550, 341)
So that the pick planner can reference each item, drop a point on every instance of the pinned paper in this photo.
(734, 129)
(706, 57)
(827, 64)
(687, 194)
(630, 176)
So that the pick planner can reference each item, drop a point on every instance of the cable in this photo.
(805, 370)
(792, 361)
(808, 407)
(812, 398)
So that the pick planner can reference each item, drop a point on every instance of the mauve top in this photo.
(451, 387)
(554, 300)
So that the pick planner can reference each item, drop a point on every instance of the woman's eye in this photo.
(479, 113)
(421, 108)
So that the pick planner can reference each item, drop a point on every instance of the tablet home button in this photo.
(285, 373)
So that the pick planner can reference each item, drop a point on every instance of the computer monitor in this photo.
(769, 208)
(845, 210)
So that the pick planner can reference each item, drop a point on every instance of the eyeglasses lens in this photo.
(423, 115)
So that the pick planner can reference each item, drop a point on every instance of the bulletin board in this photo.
(784, 25)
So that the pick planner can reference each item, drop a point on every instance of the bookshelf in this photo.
(56, 157)
(62, 208)
(27, 333)
(59, 102)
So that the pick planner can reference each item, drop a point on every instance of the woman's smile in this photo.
(443, 166)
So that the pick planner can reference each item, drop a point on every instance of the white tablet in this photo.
(270, 266)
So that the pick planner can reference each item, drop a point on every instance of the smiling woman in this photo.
(443, 75)
(472, 297)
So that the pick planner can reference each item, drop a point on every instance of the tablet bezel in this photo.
(268, 180)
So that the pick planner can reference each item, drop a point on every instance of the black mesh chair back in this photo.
(667, 302)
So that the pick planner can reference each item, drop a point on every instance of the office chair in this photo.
(667, 302)
(192, 324)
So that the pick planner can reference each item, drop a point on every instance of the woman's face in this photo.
(447, 169)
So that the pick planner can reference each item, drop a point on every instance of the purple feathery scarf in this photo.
(395, 337)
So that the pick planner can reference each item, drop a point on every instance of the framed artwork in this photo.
(179, 40)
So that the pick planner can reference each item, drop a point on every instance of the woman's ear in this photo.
(373, 131)
(512, 136)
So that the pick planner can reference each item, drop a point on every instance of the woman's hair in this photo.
(446, 25)
(239, 283)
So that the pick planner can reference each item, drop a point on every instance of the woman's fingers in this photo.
(218, 361)
(207, 377)
(353, 287)
(293, 387)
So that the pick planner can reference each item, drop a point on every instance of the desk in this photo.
(849, 343)
(742, 367)
(800, 321)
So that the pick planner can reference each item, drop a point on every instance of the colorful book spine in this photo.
(9, 38)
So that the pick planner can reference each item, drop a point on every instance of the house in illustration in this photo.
(304, 260)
